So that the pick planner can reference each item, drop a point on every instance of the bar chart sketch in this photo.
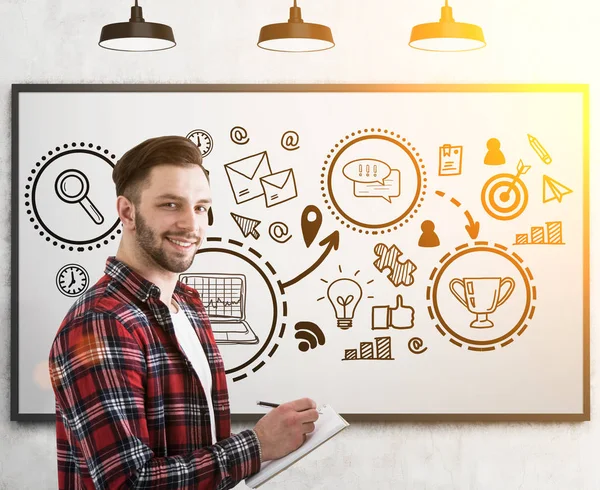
(551, 234)
(380, 350)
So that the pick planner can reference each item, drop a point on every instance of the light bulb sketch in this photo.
(344, 295)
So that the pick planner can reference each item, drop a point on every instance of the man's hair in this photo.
(132, 169)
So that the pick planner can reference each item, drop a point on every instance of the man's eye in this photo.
(202, 209)
(169, 205)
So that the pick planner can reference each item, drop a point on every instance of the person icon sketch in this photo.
(494, 155)
(429, 237)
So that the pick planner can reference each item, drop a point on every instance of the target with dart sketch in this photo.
(505, 196)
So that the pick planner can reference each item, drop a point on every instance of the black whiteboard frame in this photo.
(583, 89)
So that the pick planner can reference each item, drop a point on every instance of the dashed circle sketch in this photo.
(238, 288)
(481, 296)
(373, 181)
(69, 197)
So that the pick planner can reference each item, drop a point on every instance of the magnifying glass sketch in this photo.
(72, 186)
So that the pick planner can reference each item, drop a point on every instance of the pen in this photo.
(539, 149)
(267, 404)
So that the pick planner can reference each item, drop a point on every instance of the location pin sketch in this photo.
(72, 187)
(311, 223)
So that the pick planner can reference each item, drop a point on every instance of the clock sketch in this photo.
(72, 280)
(202, 140)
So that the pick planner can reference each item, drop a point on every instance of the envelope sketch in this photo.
(279, 187)
(244, 176)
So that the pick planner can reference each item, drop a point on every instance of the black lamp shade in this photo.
(137, 36)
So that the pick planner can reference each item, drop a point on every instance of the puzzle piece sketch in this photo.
(400, 272)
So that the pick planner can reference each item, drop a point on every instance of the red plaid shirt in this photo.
(130, 409)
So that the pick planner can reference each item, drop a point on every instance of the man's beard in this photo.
(151, 244)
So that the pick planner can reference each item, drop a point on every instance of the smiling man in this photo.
(140, 386)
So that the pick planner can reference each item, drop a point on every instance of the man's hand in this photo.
(284, 428)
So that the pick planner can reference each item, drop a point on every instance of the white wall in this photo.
(529, 41)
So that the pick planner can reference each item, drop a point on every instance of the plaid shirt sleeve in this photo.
(98, 372)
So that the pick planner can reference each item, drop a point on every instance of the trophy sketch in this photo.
(481, 296)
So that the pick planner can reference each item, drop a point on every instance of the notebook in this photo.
(328, 425)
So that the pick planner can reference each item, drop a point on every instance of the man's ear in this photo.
(126, 211)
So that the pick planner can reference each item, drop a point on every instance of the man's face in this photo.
(172, 216)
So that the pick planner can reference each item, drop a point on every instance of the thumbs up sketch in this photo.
(384, 317)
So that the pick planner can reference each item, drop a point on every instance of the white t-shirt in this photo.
(190, 343)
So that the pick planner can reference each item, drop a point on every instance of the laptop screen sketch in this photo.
(224, 298)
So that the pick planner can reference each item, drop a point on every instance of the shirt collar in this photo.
(137, 285)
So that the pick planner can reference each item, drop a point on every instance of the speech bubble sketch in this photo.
(386, 190)
(368, 145)
(366, 170)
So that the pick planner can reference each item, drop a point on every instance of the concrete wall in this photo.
(529, 41)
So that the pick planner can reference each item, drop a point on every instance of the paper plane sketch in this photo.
(553, 190)
(450, 160)
(380, 350)
(246, 225)
(389, 258)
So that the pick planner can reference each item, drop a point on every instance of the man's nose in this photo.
(189, 219)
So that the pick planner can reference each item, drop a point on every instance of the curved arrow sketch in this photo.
(473, 226)
(333, 242)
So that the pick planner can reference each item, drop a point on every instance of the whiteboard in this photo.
(399, 252)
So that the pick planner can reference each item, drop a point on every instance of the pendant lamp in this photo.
(137, 34)
(295, 35)
(447, 35)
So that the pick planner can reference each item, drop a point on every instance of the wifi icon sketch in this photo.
(309, 335)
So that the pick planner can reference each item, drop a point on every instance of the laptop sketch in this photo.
(224, 298)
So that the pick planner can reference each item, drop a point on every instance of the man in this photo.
(141, 395)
